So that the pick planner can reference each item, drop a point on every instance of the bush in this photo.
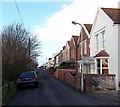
(73, 73)
(65, 65)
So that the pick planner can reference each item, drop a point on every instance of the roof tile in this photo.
(113, 13)
(102, 53)
(88, 27)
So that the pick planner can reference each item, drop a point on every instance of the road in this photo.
(52, 92)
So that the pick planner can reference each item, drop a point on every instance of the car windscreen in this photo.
(27, 75)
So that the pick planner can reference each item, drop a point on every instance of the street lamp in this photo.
(81, 66)
(75, 23)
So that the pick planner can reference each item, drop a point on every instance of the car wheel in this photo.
(18, 87)
(36, 85)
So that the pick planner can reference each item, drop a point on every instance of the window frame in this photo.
(103, 39)
(100, 67)
(97, 41)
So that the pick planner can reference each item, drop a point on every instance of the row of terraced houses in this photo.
(95, 50)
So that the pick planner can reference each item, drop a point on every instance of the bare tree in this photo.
(19, 49)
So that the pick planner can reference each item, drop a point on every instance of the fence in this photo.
(7, 91)
(7, 86)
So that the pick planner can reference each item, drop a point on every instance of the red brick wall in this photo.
(73, 51)
(64, 74)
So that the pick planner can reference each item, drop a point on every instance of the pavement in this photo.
(110, 97)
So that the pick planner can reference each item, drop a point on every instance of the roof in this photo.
(102, 53)
(63, 47)
(88, 27)
(75, 38)
(113, 14)
(68, 43)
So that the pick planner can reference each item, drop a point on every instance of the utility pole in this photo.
(29, 52)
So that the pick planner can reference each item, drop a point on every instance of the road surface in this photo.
(52, 92)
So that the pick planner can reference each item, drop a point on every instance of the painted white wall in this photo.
(119, 53)
(103, 22)
(64, 56)
(67, 52)
(50, 63)
(57, 61)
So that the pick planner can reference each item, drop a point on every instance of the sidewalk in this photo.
(110, 97)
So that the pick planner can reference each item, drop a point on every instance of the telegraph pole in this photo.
(29, 53)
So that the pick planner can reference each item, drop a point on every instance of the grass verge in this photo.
(7, 93)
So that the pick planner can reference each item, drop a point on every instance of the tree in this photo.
(20, 48)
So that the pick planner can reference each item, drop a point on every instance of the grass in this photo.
(7, 94)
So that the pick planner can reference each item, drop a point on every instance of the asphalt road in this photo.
(52, 92)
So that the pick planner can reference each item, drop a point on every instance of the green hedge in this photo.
(73, 73)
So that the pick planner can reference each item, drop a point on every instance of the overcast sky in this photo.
(51, 21)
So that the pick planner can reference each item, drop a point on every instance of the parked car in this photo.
(28, 78)
(36, 72)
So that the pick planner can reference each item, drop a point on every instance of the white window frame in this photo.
(101, 67)
(103, 39)
(97, 41)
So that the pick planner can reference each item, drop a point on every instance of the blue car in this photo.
(28, 78)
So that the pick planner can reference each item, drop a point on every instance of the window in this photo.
(97, 43)
(103, 39)
(98, 66)
(85, 49)
(102, 66)
(81, 49)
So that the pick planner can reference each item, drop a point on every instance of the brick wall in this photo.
(99, 82)
(92, 82)
(64, 74)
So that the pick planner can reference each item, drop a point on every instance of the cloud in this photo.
(59, 26)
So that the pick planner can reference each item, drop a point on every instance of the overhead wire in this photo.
(24, 27)
(19, 13)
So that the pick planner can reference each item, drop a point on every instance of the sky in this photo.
(51, 20)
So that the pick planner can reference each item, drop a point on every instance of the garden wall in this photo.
(94, 82)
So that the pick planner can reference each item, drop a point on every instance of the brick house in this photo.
(56, 64)
(50, 63)
(64, 54)
(73, 48)
(58, 59)
(84, 60)
(67, 51)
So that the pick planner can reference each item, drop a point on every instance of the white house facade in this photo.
(67, 51)
(104, 42)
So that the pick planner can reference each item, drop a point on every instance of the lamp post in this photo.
(81, 66)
